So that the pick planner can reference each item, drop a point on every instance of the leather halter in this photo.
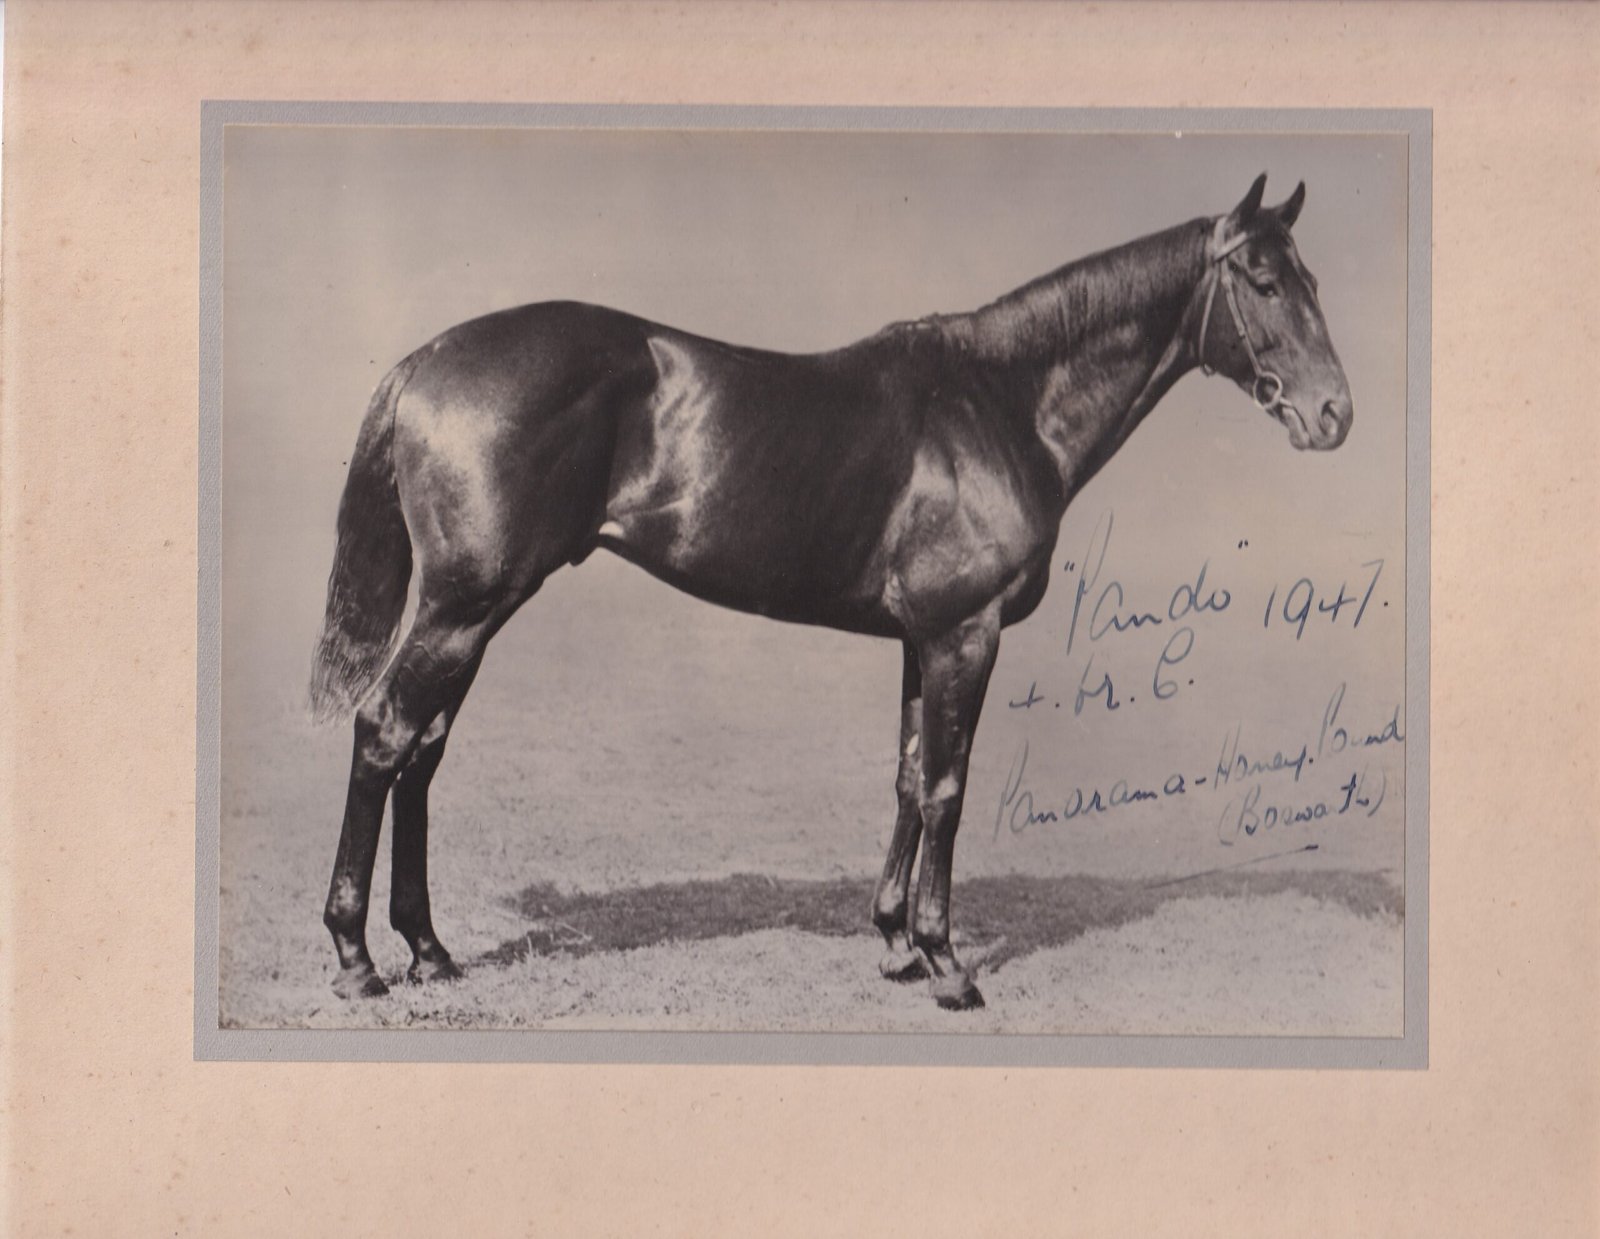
(1221, 272)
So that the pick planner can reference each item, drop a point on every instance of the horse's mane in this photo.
(1048, 316)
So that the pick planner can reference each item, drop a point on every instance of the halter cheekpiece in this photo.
(1221, 272)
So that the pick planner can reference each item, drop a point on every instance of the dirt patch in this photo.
(1008, 916)
(1291, 953)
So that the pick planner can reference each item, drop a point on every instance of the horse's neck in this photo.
(1092, 401)
(1097, 344)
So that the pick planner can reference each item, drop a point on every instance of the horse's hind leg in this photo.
(892, 900)
(409, 910)
(429, 675)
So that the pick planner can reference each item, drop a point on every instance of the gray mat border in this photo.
(833, 1049)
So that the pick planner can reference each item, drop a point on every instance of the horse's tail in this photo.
(371, 566)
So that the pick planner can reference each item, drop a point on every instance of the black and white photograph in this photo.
(822, 580)
(799, 619)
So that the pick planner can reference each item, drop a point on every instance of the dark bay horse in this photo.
(908, 486)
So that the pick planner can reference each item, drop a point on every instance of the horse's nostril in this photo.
(1330, 416)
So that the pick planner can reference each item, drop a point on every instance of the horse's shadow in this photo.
(1000, 918)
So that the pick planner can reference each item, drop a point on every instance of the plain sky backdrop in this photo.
(345, 248)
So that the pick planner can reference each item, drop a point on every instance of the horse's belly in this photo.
(752, 565)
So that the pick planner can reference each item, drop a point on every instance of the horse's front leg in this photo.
(893, 898)
(955, 674)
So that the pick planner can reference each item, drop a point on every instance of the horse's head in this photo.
(1262, 326)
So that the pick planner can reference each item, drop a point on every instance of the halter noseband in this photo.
(1221, 272)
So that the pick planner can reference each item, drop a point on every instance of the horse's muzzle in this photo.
(1333, 426)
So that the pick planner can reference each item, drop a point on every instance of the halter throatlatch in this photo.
(1267, 390)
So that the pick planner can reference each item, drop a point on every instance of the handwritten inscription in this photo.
(1104, 611)
(1251, 773)
(1302, 601)
(1248, 816)
(1132, 646)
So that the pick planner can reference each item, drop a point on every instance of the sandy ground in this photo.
(1287, 964)
(659, 848)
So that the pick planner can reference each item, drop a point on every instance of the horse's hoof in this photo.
(956, 992)
(901, 963)
(359, 983)
(422, 971)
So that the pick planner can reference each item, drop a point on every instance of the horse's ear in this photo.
(1245, 212)
(1290, 210)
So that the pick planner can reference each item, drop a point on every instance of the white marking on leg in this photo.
(913, 745)
(945, 789)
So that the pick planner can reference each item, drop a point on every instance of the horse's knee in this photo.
(941, 802)
(908, 782)
(889, 910)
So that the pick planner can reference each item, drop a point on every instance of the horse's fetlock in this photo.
(889, 918)
(342, 919)
(403, 921)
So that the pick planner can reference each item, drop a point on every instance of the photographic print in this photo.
(816, 579)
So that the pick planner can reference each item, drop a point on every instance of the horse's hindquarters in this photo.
(503, 445)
